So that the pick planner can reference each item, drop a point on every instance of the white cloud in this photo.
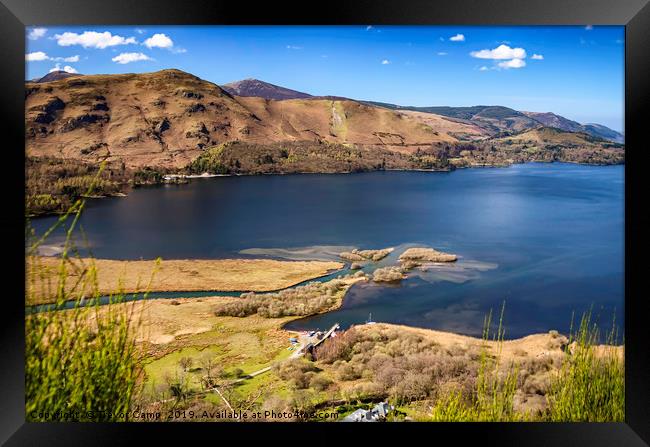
(385, 62)
(41, 56)
(37, 56)
(458, 38)
(92, 39)
(589, 27)
(369, 27)
(500, 52)
(125, 58)
(159, 41)
(74, 58)
(538, 57)
(441, 53)
(67, 69)
(139, 30)
(36, 33)
(293, 47)
(483, 68)
(513, 63)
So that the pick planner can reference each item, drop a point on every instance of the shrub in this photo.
(319, 383)
(388, 274)
(348, 372)
(309, 299)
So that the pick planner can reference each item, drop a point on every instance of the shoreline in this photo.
(539, 339)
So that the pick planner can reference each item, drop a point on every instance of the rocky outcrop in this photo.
(198, 131)
(83, 121)
(101, 106)
(50, 111)
(161, 126)
(189, 94)
(195, 108)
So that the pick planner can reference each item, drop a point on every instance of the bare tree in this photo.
(185, 363)
(210, 371)
(178, 385)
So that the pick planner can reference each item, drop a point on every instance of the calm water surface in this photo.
(546, 238)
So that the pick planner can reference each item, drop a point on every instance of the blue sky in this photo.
(575, 71)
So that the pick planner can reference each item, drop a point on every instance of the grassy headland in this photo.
(259, 275)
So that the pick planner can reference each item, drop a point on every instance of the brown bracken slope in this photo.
(168, 118)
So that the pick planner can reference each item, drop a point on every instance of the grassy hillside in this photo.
(168, 118)
(491, 119)
(499, 119)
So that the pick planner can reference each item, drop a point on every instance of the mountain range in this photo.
(493, 118)
(168, 118)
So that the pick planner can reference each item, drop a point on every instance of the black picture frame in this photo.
(633, 14)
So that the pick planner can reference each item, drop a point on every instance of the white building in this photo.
(378, 413)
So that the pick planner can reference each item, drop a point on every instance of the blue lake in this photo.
(546, 238)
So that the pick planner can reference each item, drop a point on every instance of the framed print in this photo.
(426, 216)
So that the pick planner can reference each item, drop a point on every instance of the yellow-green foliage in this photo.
(453, 408)
(492, 400)
(590, 386)
(209, 161)
(43, 202)
(76, 186)
(80, 364)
